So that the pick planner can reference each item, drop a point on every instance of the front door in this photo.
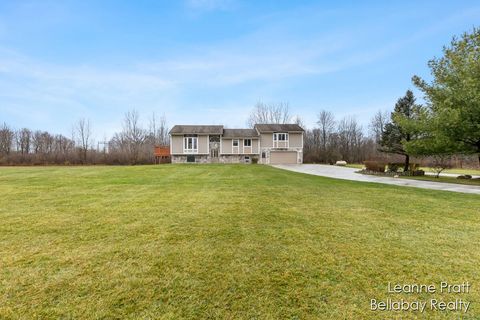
(214, 144)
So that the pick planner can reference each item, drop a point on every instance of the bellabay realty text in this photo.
(435, 304)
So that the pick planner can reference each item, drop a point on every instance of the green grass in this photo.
(456, 171)
(224, 242)
(427, 169)
(472, 182)
(355, 165)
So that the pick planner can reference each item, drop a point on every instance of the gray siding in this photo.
(227, 147)
(177, 144)
(202, 144)
(266, 140)
(295, 140)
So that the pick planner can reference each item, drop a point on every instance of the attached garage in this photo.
(283, 157)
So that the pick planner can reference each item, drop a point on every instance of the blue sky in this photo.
(210, 61)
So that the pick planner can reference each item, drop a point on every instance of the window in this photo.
(263, 155)
(247, 142)
(190, 158)
(235, 143)
(280, 136)
(190, 143)
(280, 140)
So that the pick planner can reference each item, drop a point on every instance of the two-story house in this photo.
(267, 143)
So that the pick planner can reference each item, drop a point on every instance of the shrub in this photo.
(374, 166)
(394, 166)
(414, 167)
(418, 173)
(254, 160)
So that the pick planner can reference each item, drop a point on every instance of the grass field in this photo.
(427, 169)
(471, 182)
(225, 242)
(355, 165)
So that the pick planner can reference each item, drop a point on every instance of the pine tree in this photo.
(395, 135)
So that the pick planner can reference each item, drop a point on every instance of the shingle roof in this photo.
(278, 128)
(240, 133)
(194, 129)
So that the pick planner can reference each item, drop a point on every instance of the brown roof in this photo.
(240, 133)
(272, 127)
(193, 129)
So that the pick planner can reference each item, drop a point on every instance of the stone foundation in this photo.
(199, 158)
(224, 158)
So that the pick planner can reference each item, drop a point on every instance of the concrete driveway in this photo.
(349, 174)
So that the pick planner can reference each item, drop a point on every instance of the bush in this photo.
(418, 173)
(254, 160)
(374, 166)
(394, 166)
(415, 167)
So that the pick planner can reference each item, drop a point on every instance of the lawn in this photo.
(355, 165)
(456, 171)
(427, 169)
(471, 182)
(225, 242)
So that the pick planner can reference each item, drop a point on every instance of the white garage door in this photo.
(283, 157)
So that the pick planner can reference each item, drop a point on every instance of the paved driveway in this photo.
(349, 174)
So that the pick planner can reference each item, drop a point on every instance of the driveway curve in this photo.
(350, 174)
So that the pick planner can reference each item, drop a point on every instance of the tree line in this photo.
(134, 144)
(446, 126)
(330, 140)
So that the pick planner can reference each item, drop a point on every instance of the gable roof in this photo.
(194, 129)
(273, 127)
(240, 133)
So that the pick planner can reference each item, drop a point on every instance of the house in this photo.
(265, 143)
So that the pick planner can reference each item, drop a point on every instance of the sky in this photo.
(211, 61)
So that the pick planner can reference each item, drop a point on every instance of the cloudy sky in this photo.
(210, 61)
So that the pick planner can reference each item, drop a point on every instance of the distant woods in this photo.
(332, 140)
(132, 145)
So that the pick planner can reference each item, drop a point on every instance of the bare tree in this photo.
(133, 135)
(377, 124)
(6, 139)
(272, 113)
(440, 162)
(158, 132)
(326, 125)
(350, 138)
(24, 137)
(84, 133)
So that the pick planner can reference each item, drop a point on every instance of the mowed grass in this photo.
(471, 182)
(224, 242)
(458, 171)
(472, 172)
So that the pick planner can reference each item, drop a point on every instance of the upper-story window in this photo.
(280, 136)
(190, 143)
(247, 142)
(235, 142)
(280, 140)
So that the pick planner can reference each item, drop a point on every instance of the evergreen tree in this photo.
(453, 117)
(395, 135)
